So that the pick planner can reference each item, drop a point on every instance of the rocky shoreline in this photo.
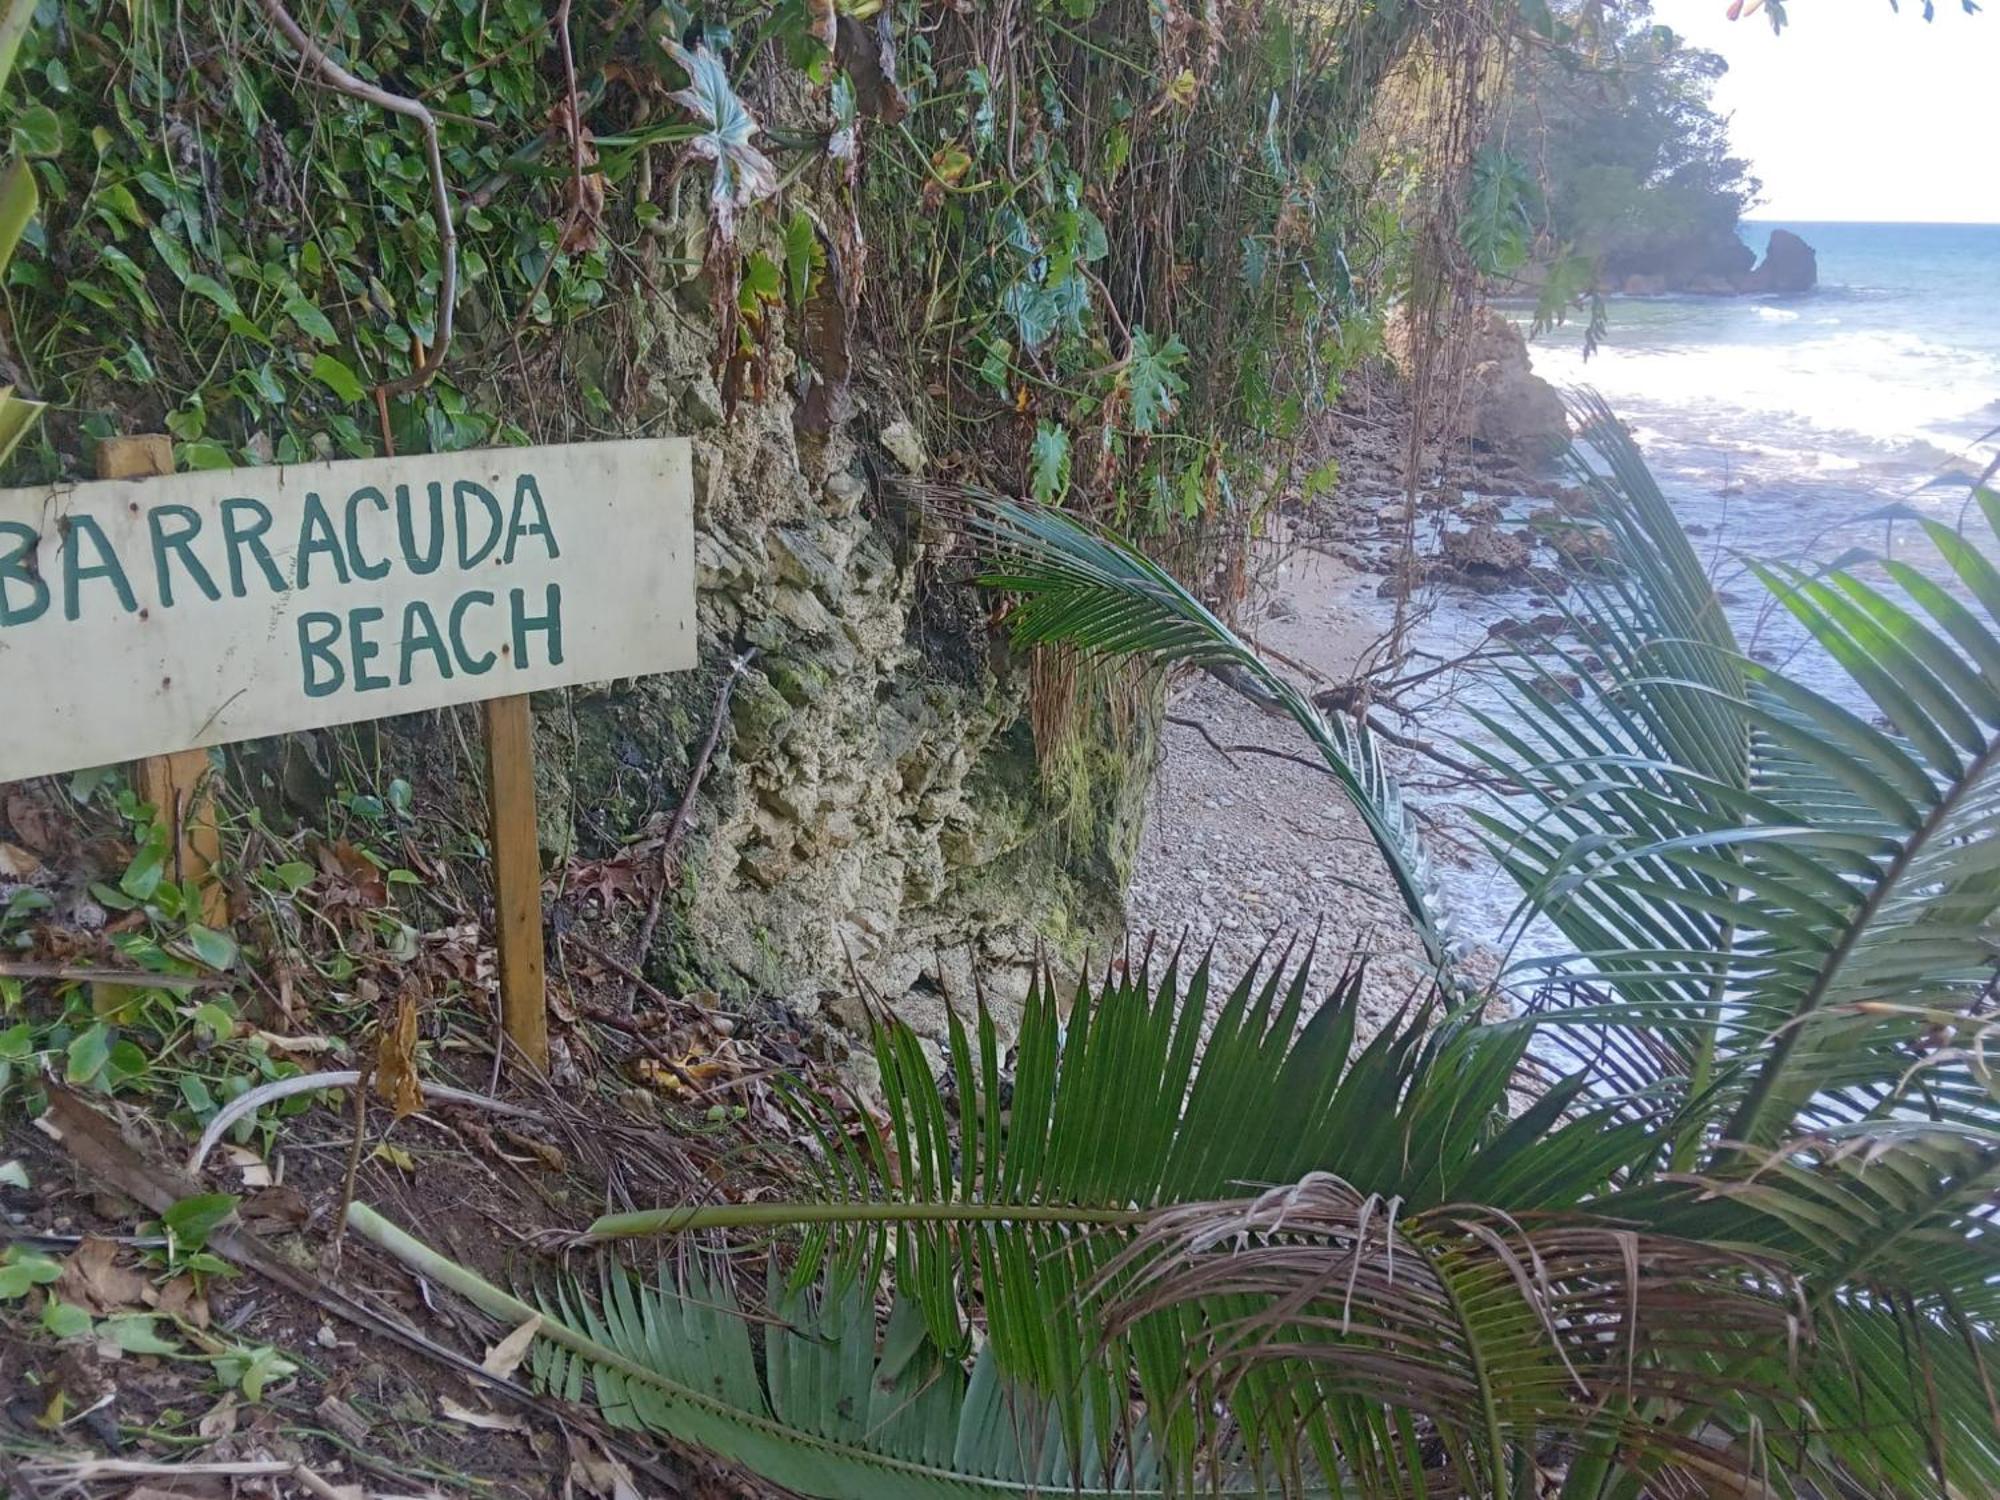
(1246, 851)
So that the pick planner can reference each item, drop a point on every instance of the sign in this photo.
(149, 615)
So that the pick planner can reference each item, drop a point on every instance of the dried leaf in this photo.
(396, 1157)
(486, 1421)
(583, 189)
(92, 1279)
(256, 1172)
(282, 1205)
(34, 824)
(869, 56)
(220, 1419)
(396, 1061)
(16, 863)
(505, 1357)
(181, 1299)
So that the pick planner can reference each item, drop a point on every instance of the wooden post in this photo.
(517, 875)
(176, 784)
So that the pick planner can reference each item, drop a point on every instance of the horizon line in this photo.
(1763, 217)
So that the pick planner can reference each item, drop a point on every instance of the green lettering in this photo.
(17, 566)
(250, 538)
(77, 529)
(420, 633)
(363, 568)
(316, 651)
(550, 624)
(364, 649)
(406, 531)
(467, 662)
(180, 544)
(316, 535)
(525, 491)
(460, 492)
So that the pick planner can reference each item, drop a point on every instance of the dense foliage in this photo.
(1724, 1228)
(1617, 153)
(1025, 205)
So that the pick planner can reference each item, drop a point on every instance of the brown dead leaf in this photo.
(596, 1472)
(220, 1419)
(396, 1061)
(610, 881)
(583, 189)
(505, 1357)
(486, 1421)
(92, 1279)
(181, 1299)
(541, 1150)
(281, 1206)
(34, 824)
(255, 1172)
(16, 863)
(352, 878)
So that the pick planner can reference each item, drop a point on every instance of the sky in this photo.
(1857, 112)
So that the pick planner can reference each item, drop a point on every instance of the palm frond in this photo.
(1083, 587)
(1752, 869)
(1518, 1342)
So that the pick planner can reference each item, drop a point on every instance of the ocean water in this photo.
(1813, 409)
(1806, 429)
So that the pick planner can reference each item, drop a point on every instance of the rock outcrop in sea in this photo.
(1722, 266)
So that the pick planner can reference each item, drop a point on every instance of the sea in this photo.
(1809, 428)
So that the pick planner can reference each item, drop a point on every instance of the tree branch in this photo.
(311, 52)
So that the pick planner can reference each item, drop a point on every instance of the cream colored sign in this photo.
(143, 616)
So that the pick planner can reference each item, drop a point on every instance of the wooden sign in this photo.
(143, 617)
(150, 615)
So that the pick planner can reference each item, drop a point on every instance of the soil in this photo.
(362, 1408)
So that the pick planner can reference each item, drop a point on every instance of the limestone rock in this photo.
(1790, 267)
(901, 439)
(1508, 406)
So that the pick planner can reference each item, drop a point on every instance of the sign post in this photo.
(144, 618)
(177, 783)
(517, 875)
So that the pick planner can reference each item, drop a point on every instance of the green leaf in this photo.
(338, 378)
(65, 1319)
(15, 20)
(213, 948)
(761, 282)
(36, 131)
(88, 1051)
(22, 1269)
(216, 292)
(149, 866)
(294, 875)
(1049, 463)
(315, 323)
(19, 200)
(802, 255)
(136, 1333)
(1155, 387)
(251, 1370)
(192, 1220)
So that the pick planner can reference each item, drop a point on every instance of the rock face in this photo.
(1790, 266)
(875, 799)
(1508, 407)
(1716, 266)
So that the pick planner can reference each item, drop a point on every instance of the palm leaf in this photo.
(1748, 867)
(1084, 587)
